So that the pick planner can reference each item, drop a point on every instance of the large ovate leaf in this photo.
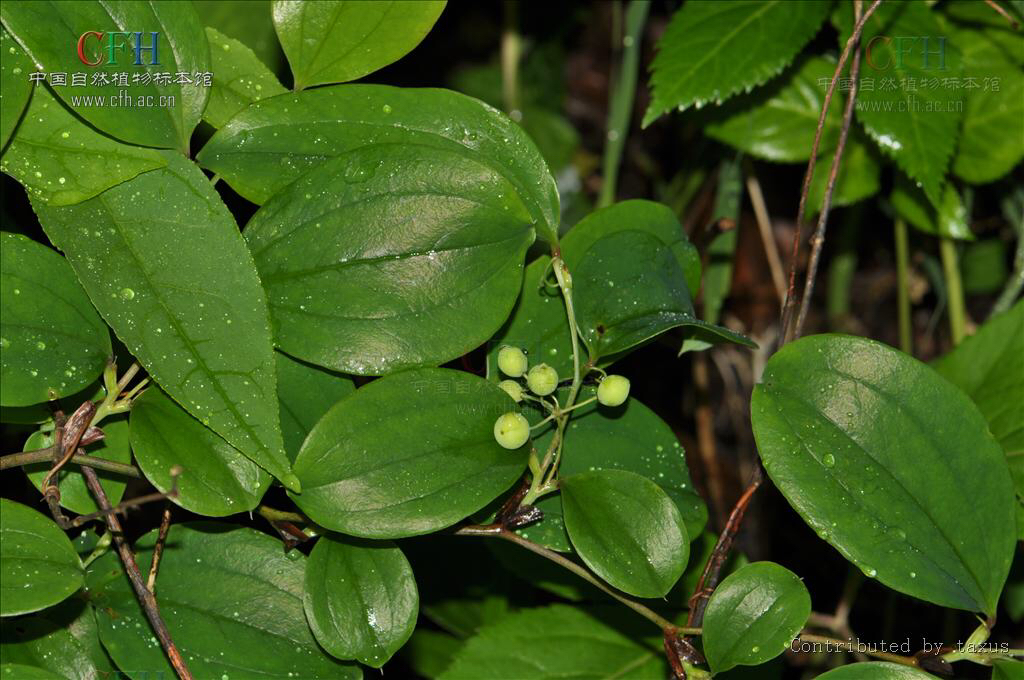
(38, 564)
(250, 21)
(239, 78)
(15, 86)
(989, 368)
(215, 478)
(891, 464)
(714, 50)
(388, 257)
(304, 393)
(270, 144)
(992, 136)
(539, 324)
(876, 670)
(360, 598)
(52, 31)
(630, 437)
(74, 493)
(948, 220)
(173, 278)
(62, 639)
(915, 125)
(333, 41)
(550, 643)
(753, 616)
(245, 621)
(60, 160)
(626, 529)
(53, 342)
(407, 454)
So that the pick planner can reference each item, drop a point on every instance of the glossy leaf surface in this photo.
(239, 78)
(15, 86)
(360, 598)
(875, 670)
(178, 261)
(51, 355)
(949, 219)
(38, 564)
(62, 639)
(891, 464)
(714, 50)
(215, 480)
(245, 621)
(626, 529)
(389, 257)
(333, 41)
(304, 393)
(274, 141)
(753, 616)
(51, 31)
(407, 454)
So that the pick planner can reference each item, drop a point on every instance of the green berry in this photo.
(613, 390)
(512, 361)
(511, 430)
(513, 389)
(542, 380)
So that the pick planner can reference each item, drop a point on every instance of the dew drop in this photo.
(828, 460)
(127, 293)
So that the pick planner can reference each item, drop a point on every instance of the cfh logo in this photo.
(926, 52)
(115, 43)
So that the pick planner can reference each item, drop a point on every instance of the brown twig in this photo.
(35, 456)
(788, 306)
(764, 226)
(131, 568)
(818, 240)
(67, 435)
(1003, 13)
(121, 507)
(158, 549)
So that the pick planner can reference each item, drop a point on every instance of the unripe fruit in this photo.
(542, 380)
(511, 430)
(511, 361)
(513, 389)
(613, 390)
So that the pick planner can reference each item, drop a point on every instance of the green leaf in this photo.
(1007, 670)
(249, 21)
(62, 639)
(983, 266)
(304, 393)
(51, 31)
(15, 66)
(52, 355)
(406, 455)
(778, 122)
(216, 479)
(539, 324)
(891, 464)
(274, 141)
(390, 257)
(172, 276)
(626, 529)
(714, 50)
(17, 671)
(858, 178)
(875, 670)
(630, 437)
(722, 249)
(430, 652)
(239, 78)
(74, 494)
(60, 160)
(753, 616)
(245, 620)
(360, 598)
(550, 643)
(949, 220)
(912, 121)
(992, 136)
(37, 561)
(333, 41)
(989, 368)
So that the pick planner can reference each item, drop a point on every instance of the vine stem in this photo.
(903, 285)
(45, 455)
(497, 531)
(790, 303)
(954, 286)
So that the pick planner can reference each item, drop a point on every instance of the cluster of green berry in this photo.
(511, 429)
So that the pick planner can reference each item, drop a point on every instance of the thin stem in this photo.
(275, 515)
(790, 303)
(158, 549)
(621, 96)
(580, 405)
(764, 227)
(499, 532)
(44, 455)
(954, 286)
(125, 505)
(131, 568)
(511, 50)
(903, 285)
